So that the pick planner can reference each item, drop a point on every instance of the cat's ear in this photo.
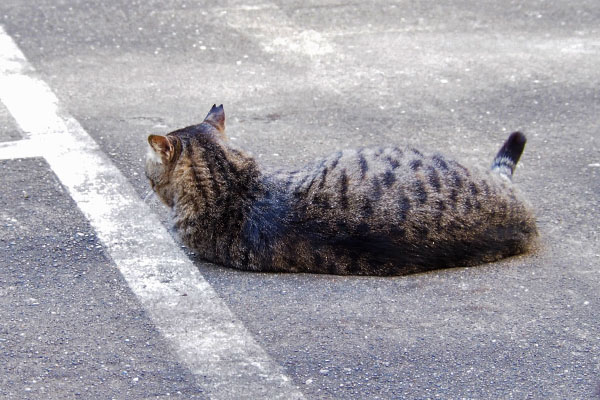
(163, 146)
(216, 117)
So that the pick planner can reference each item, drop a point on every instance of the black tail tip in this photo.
(518, 138)
(514, 146)
(510, 153)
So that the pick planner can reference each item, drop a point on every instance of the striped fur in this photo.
(381, 211)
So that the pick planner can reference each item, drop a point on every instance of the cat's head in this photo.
(165, 152)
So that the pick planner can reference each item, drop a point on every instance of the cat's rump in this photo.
(398, 210)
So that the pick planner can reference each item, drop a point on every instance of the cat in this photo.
(372, 211)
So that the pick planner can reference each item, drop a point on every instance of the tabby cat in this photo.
(373, 211)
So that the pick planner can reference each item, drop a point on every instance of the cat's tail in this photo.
(508, 156)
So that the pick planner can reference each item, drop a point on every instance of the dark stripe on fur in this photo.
(434, 179)
(362, 163)
(388, 178)
(323, 177)
(377, 191)
(336, 160)
(440, 162)
(343, 181)
(404, 206)
(415, 164)
(420, 192)
(199, 185)
(393, 163)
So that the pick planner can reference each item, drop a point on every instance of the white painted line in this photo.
(203, 332)
(25, 148)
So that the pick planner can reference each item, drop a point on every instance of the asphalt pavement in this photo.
(300, 80)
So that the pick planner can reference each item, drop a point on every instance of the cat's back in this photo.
(390, 182)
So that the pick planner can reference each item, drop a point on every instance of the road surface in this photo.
(298, 80)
